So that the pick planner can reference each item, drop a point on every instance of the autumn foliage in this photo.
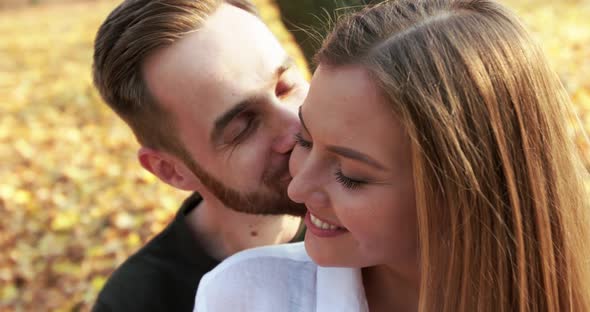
(74, 202)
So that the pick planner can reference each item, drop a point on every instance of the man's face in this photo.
(233, 91)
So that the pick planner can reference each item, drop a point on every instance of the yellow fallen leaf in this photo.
(22, 197)
(124, 220)
(98, 282)
(8, 293)
(133, 240)
(64, 221)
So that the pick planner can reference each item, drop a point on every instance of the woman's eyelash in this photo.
(346, 181)
(299, 140)
(340, 177)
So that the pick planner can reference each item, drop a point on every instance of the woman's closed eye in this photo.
(299, 140)
(348, 182)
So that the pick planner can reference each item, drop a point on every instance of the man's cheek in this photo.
(250, 165)
(295, 160)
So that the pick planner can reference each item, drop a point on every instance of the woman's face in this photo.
(352, 169)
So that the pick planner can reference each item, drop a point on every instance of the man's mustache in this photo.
(274, 174)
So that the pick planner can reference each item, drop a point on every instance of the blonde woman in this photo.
(437, 172)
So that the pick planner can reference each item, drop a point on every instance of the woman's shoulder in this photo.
(261, 259)
(279, 253)
(258, 280)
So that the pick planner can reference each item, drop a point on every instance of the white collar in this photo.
(340, 289)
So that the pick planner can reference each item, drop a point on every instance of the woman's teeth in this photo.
(321, 224)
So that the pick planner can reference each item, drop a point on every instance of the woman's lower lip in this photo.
(321, 232)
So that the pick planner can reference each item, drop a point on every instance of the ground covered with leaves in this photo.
(74, 203)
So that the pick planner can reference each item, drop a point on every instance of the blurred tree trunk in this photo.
(305, 17)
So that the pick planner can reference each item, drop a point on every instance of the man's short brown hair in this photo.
(134, 30)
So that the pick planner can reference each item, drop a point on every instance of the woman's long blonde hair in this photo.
(502, 213)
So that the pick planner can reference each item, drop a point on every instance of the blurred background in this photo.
(74, 202)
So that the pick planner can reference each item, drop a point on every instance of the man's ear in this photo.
(168, 168)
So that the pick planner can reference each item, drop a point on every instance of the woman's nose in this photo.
(297, 189)
(307, 184)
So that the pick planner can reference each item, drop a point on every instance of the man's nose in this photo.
(286, 126)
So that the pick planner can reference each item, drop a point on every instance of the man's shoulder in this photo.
(146, 281)
(134, 285)
(163, 275)
(256, 278)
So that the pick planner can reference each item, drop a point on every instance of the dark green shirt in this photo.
(164, 274)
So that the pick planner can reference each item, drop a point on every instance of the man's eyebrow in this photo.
(287, 63)
(222, 121)
(347, 152)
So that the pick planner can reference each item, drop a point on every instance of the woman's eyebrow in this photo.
(345, 151)
(355, 155)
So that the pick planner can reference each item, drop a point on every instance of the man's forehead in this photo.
(235, 39)
(231, 56)
(231, 44)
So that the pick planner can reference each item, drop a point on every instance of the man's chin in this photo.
(277, 201)
(270, 199)
(268, 204)
(279, 208)
(285, 205)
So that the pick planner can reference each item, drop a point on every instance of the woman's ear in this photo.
(169, 169)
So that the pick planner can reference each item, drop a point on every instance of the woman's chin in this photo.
(322, 254)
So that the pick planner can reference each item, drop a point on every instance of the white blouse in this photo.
(279, 278)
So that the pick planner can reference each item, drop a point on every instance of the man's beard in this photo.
(272, 200)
